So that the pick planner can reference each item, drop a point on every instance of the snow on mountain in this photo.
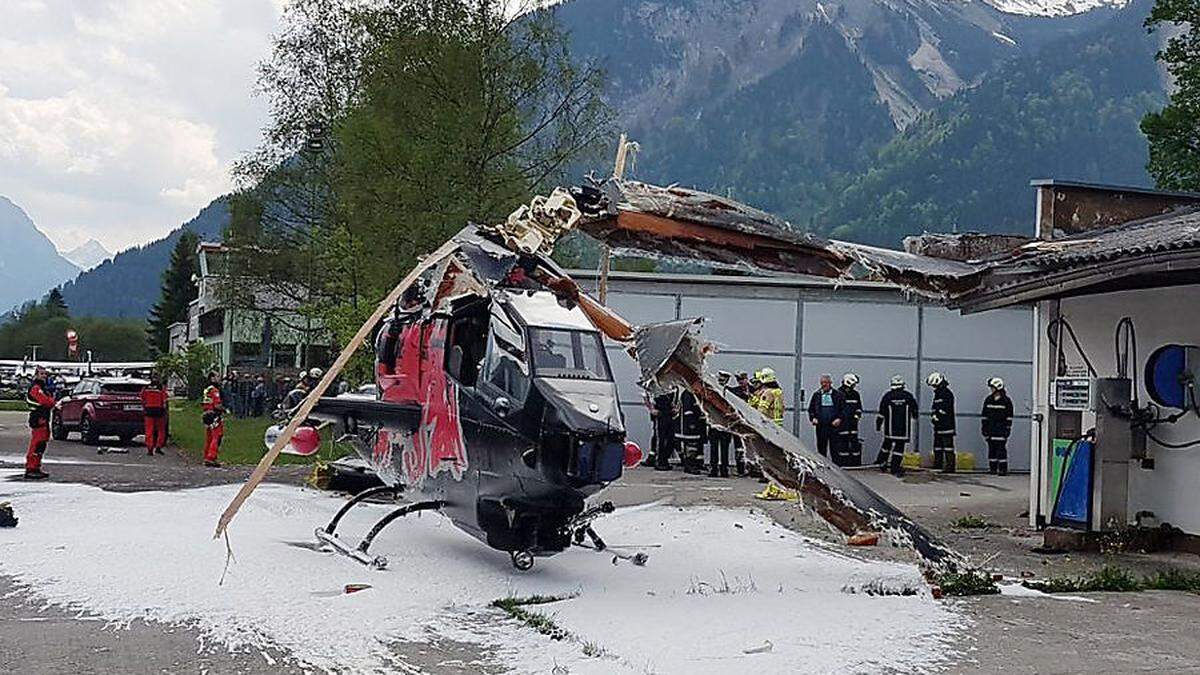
(1053, 7)
(88, 255)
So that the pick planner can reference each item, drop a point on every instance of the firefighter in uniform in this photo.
(897, 410)
(942, 414)
(827, 412)
(214, 425)
(693, 430)
(664, 430)
(997, 426)
(851, 445)
(41, 407)
(154, 411)
(769, 398)
(720, 438)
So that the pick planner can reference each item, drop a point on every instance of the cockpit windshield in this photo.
(573, 354)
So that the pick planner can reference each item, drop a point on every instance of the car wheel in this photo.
(87, 432)
(57, 431)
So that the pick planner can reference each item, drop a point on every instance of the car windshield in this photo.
(572, 354)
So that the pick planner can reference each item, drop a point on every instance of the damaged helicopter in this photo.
(496, 404)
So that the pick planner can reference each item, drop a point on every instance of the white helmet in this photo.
(935, 379)
(767, 375)
(850, 380)
(995, 383)
(897, 382)
(315, 373)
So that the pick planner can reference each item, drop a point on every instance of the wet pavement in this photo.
(1114, 633)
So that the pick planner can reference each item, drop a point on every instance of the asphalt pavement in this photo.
(1111, 633)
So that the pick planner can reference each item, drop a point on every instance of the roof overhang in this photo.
(1153, 270)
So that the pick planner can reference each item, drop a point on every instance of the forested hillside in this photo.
(1071, 112)
(128, 285)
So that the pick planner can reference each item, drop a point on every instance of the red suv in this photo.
(100, 406)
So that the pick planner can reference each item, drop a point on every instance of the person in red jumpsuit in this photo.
(154, 409)
(214, 426)
(41, 406)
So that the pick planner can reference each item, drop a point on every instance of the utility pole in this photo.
(624, 146)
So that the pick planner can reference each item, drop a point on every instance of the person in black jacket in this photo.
(693, 431)
(851, 445)
(942, 414)
(997, 426)
(897, 410)
(827, 412)
(663, 414)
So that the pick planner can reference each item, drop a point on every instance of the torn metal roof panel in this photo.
(1170, 232)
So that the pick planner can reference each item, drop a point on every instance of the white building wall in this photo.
(805, 327)
(1161, 316)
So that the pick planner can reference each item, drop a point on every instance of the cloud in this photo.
(120, 119)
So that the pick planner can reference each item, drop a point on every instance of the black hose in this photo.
(1061, 323)
(1172, 446)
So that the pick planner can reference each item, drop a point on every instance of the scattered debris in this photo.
(764, 648)
(354, 588)
(863, 539)
(7, 518)
(774, 493)
(106, 450)
(971, 522)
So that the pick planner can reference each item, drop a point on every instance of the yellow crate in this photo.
(965, 461)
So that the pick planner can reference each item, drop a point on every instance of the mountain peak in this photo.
(88, 254)
(29, 263)
(1053, 7)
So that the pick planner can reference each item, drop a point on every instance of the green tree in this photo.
(45, 326)
(393, 125)
(1174, 131)
(178, 290)
(190, 367)
(55, 304)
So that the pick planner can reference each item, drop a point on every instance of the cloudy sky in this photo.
(119, 119)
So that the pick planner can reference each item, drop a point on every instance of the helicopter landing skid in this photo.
(584, 535)
(329, 538)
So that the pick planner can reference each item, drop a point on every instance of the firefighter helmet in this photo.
(897, 382)
(850, 380)
(766, 375)
(935, 379)
(995, 383)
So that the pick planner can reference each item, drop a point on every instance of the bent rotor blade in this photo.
(301, 414)
(672, 354)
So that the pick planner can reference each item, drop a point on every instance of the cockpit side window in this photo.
(506, 369)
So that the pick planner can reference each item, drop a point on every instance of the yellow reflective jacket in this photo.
(769, 402)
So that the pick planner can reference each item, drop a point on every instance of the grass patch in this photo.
(10, 405)
(1116, 580)
(1173, 580)
(516, 608)
(243, 442)
(971, 522)
(962, 584)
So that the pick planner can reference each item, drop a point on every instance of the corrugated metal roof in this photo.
(1170, 232)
